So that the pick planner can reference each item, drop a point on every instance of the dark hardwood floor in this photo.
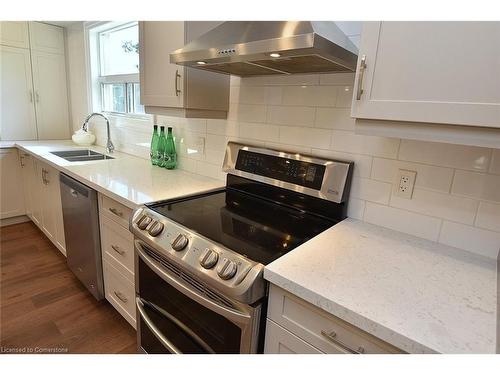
(44, 307)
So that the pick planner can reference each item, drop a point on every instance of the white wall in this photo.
(457, 196)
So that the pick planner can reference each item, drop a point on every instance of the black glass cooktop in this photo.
(256, 228)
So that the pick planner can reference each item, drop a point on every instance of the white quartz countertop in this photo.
(417, 295)
(128, 179)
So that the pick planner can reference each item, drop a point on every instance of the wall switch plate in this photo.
(405, 183)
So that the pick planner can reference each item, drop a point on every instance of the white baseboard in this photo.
(14, 220)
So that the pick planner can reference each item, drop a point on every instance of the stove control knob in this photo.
(227, 269)
(209, 259)
(144, 222)
(155, 229)
(180, 242)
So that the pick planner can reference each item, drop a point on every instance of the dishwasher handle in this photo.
(74, 187)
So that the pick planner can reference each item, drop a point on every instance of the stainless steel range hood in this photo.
(254, 48)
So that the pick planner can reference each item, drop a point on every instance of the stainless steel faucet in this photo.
(109, 145)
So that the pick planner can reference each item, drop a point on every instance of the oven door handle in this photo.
(156, 332)
(193, 336)
(233, 315)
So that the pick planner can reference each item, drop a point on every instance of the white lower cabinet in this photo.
(119, 291)
(117, 247)
(40, 185)
(305, 328)
(281, 341)
(11, 194)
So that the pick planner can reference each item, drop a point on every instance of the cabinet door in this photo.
(14, 34)
(26, 163)
(17, 117)
(46, 38)
(161, 81)
(36, 191)
(49, 76)
(435, 72)
(54, 196)
(11, 193)
(48, 209)
(280, 341)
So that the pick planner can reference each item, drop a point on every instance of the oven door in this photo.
(177, 314)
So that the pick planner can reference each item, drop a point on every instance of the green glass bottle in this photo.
(162, 145)
(153, 152)
(170, 154)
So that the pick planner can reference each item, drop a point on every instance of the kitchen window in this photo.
(114, 58)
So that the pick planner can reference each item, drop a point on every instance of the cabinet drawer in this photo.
(280, 341)
(314, 325)
(117, 245)
(120, 292)
(114, 210)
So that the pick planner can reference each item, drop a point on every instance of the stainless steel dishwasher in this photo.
(81, 230)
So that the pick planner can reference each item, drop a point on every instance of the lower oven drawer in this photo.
(119, 292)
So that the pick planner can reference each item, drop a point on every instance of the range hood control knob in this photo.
(155, 229)
(209, 259)
(144, 222)
(180, 242)
(227, 269)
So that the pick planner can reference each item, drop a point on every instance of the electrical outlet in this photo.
(405, 183)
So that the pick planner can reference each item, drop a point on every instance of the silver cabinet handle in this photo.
(44, 176)
(120, 296)
(362, 68)
(21, 158)
(117, 249)
(74, 193)
(115, 211)
(332, 337)
(177, 77)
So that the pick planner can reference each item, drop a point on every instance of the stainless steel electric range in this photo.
(200, 259)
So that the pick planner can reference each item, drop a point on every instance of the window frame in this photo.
(96, 81)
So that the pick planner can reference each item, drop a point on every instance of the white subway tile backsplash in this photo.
(274, 95)
(477, 185)
(336, 79)
(488, 216)
(260, 132)
(370, 190)
(428, 177)
(215, 142)
(334, 118)
(222, 127)
(403, 221)
(301, 136)
(252, 95)
(444, 206)
(364, 144)
(479, 241)
(344, 97)
(356, 208)
(313, 96)
(446, 155)
(247, 113)
(362, 163)
(290, 148)
(283, 80)
(293, 116)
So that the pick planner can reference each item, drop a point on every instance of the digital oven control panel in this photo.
(322, 178)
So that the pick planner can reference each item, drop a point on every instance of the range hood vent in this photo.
(257, 48)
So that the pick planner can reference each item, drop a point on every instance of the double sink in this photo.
(81, 155)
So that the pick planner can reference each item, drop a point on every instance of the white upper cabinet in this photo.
(161, 82)
(430, 72)
(51, 96)
(46, 38)
(17, 114)
(14, 34)
(33, 96)
(172, 89)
